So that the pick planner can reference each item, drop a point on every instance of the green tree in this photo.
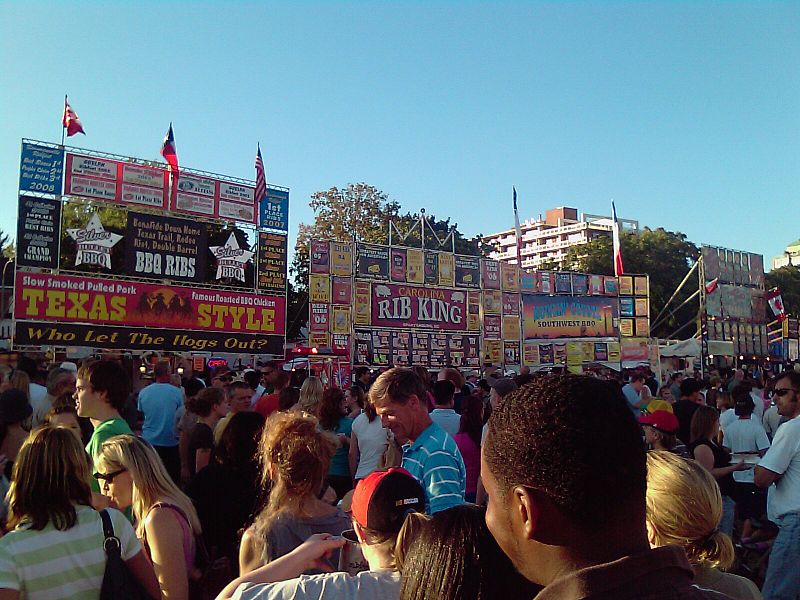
(665, 256)
(787, 280)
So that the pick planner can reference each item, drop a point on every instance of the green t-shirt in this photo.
(102, 432)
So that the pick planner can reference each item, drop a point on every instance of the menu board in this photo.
(272, 250)
(38, 225)
(383, 347)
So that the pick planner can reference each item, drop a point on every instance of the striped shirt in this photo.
(69, 564)
(435, 461)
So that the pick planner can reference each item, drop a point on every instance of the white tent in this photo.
(690, 347)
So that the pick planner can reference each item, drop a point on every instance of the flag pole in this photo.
(63, 126)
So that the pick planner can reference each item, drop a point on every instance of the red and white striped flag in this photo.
(618, 267)
(261, 178)
(70, 120)
(711, 286)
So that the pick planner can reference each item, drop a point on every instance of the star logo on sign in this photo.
(94, 243)
(231, 259)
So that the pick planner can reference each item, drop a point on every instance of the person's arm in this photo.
(763, 477)
(142, 569)
(353, 454)
(249, 552)
(309, 555)
(165, 538)
(201, 459)
(704, 456)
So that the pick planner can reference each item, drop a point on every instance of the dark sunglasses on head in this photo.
(783, 391)
(108, 477)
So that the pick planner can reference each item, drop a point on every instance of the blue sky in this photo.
(686, 113)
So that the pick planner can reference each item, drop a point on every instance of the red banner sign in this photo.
(39, 297)
(406, 305)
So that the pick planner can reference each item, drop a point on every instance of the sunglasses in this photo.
(108, 477)
(783, 391)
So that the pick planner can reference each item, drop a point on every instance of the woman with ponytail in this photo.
(684, 508)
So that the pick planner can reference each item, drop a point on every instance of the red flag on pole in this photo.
(170, 154)
(261, 178)
(775, 302)
(70, 120)
(618, 267)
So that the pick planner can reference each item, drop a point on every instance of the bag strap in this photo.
(113, 549)
(108, 527)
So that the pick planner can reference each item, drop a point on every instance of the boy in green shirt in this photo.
(100, 394)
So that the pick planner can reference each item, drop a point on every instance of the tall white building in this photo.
(548, 239)
(791, 256)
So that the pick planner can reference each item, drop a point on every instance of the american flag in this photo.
(261, 178)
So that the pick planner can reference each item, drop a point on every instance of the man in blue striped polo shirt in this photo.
(429, 453)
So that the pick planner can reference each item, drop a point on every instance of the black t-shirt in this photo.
(684, 411)
(201, 438)
(722, 458)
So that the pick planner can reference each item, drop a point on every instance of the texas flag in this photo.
(70, 120)
(618, 268)
(711, 286)
(169, 152)
(775, 302)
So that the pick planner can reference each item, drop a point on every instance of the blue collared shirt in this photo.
(435, 461)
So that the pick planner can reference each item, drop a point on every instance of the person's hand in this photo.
(741, 466)
(313, 552)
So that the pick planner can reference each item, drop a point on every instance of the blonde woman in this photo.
(310, 395)
(132, 474)
(55, 548)
(684, 507)
(295, 456)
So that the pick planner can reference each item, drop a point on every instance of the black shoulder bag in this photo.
(118, 582)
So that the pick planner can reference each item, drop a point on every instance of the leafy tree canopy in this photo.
(787, 280)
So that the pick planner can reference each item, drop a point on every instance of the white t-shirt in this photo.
(772, 420)
(758, 400)
(377, 585)
(745, 435)
(727, 417)
(783, 458)
(447, 419)
(372, 439)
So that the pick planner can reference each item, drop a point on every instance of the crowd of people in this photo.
(408, 485)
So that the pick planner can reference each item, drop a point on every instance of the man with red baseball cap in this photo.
(379, 506)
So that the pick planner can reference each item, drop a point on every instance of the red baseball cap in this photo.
(382, 499)
(663, 420)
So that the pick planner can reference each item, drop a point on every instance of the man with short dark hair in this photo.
(633, 394)
(565, 469)
(362, 379)
(781, 466)
(269, 403)
(684, 408)
(429, 454)
(100, 394)
(160, 402)
(443, 414)
(252, 377)
(675, 381)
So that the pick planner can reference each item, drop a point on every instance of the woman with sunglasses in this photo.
(132, 474)
(55, 549)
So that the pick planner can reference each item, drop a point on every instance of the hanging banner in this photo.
(614, 352)
(493, 352)
(600, 352)
(415, 266)
(530, 354)
(642, 327)
(341, 259)
(610, 286)
(550, 317)
(529, 283)
(492, 327)
(625, 285)
(397, 257)
(318, 340)
(634, 350)
(546, 355)
(319, 289)
(410, 306)
(546, 282)
(447, 269)
(272, 261)
(340, 342)
(273, 210)
(642, 309)
(126, 303)
(342, 290)
(492, 302)
(626, 307)
(596, 285)
(40, 169)
(490, 274)
(319, 319)
(159, 247)
(626, 327)
(38, 225)
(91, 236)
(640, 287)
(232, 261)
(511, 328)
(361, 303)
(431, 267)
(509, 276)
(340, 319)
(511, 304)
(373, 262)
(563, 283)
(580, 284)
(511, 354)
(32, 333)
(468, 271)
(560, 354)
(320, 257)
(473, 311)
